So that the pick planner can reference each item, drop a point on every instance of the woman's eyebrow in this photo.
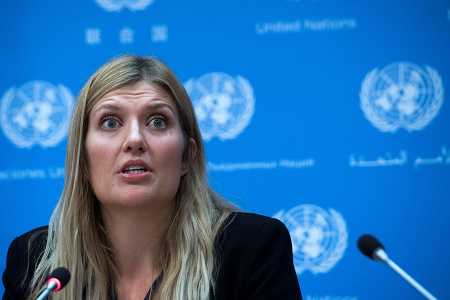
(106, 106)
(160, 104)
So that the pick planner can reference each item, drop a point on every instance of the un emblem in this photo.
(36, 113)
(319, 238)
(118, 5)
(223, 105)
(401, 95)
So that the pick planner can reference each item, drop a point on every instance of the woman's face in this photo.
(135, 147)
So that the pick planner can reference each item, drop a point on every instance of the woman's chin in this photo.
(134, 200)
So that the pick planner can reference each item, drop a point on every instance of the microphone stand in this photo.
(380, 254)
(43, 295)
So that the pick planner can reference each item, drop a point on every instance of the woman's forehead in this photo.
(138, 89)
(138, 93)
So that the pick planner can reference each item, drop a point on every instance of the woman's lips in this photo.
(134, 176)
(134, 164)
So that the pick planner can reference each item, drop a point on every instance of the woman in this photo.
(137, 219)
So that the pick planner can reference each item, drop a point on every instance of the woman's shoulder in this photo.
(255, 260)
(252, 219)
(30, 243)
(249, 233)
(34, 235)
(23, 255)
(251, 226)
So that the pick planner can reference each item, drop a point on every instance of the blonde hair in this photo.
(76, 235)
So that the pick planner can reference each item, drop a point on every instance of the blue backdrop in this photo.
(329, 115)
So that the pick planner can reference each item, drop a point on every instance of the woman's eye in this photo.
(158, 123)
(110, 123)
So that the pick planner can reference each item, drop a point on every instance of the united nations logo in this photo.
(223, 105)
(319, 238)
(118, 5)
(36, 113)
(402, 95)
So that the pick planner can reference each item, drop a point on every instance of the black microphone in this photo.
(56, 281)
(373, 249)
(369, 246)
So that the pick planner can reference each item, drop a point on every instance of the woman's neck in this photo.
(136, 236)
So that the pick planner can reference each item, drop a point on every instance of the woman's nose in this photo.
(134, 141)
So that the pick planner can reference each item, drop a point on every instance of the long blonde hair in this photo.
(76, 235)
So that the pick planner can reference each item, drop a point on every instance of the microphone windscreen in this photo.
(368, 244)
(62, 274)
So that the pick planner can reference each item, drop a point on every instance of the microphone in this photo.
(373, 249)
(56, 281)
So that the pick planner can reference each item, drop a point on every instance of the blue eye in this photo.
(158, 123)
(110, 123)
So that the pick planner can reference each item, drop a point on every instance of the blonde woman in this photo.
(137, 219)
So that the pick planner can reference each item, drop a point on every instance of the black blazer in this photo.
(254, 260)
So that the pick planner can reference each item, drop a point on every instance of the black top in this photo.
(254, 260)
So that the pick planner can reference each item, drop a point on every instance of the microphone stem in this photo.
(43, 295)
(409, 279)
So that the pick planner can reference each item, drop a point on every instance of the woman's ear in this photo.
(189, 155)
